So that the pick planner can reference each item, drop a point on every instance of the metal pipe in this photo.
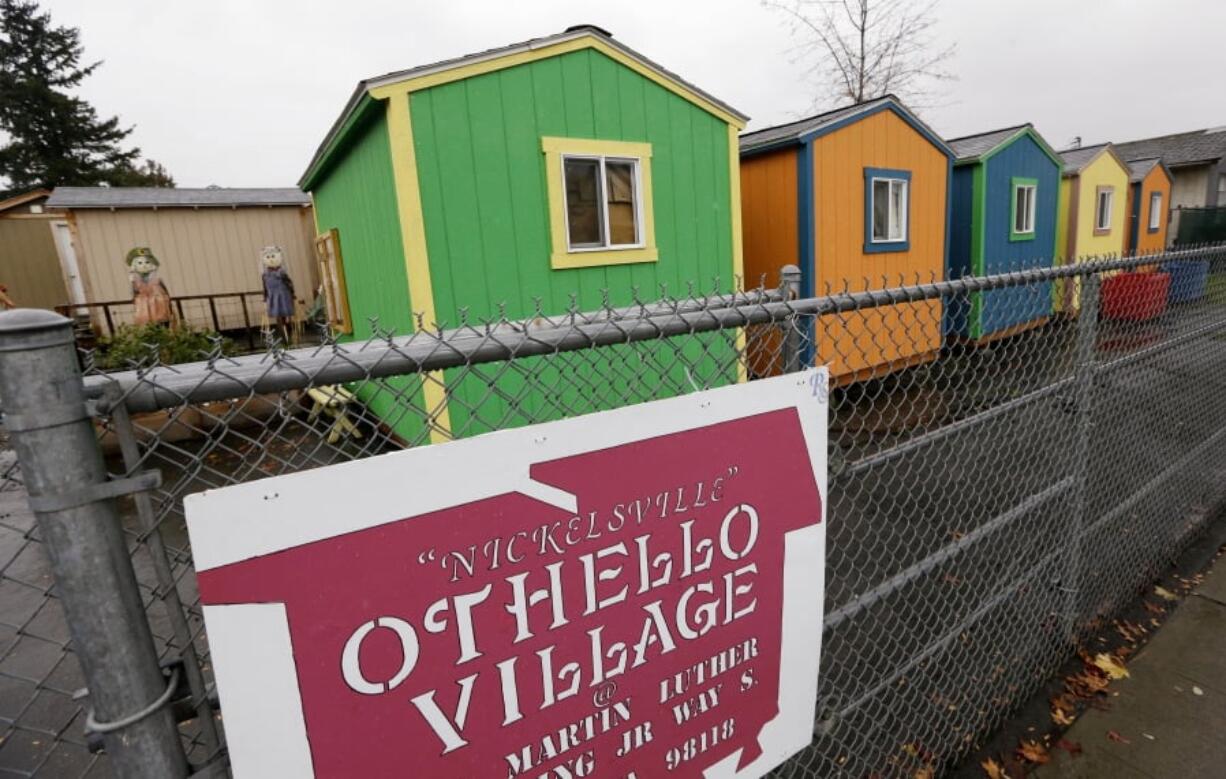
(426, 351)
(1087, 341)
(168, 588)
(62, 466)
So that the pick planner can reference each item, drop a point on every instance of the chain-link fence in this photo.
(1011, 458)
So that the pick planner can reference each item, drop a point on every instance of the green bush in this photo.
(136, 344)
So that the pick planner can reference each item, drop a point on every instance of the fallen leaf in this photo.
(1033, 752)
(1111, 734)
(1086, 684)
(1072, 747)
(1110, 666)
(1165, 594)
(993, 769)
(1062, 718)
(1153, 608)
(925, 773)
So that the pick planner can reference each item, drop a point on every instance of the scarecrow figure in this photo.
(150, 297)
(278, 289)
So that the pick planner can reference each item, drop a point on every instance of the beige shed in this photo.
(207, 241)
(29, 266)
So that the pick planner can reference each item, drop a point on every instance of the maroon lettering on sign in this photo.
(638, 635)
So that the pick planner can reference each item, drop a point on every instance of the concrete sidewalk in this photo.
(1169, 717)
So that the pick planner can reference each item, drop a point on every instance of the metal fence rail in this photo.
(1011, 457)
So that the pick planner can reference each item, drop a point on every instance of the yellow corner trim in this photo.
(734, 195)
(561, 258)
(521, 57)
(738, 255)
(416, 259)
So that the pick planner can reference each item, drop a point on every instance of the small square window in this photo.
(1024, 193)
(599, 202)
(602, 203)
(889, 210)
(1155, 211)
(1104, 198)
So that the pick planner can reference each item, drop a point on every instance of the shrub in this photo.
(136, 344)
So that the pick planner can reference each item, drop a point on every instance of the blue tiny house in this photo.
(1004, 205)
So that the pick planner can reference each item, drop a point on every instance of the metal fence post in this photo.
(50, 429)
(793, 341)
(1087, 336)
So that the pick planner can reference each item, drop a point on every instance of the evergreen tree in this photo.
(47, 136)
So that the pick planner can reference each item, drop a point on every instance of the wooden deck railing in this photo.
(250, 328)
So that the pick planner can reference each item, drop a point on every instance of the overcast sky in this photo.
(240, 92)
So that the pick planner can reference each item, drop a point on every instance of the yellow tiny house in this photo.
(1093, 218)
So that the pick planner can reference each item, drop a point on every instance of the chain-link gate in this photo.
(993, 490)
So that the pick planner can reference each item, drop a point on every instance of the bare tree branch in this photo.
(858, 50)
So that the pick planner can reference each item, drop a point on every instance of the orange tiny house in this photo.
(858, 198)
(1149, 205)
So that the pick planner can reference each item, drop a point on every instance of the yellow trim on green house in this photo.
(416, 259)
(412, 224)
(561, 255)
(446, 76)
(738, 254)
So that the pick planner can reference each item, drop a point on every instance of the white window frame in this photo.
(1020, 190)
(1101, 213)
(1155, 210)
(601, 180)
(872, 209)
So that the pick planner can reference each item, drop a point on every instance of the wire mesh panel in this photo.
(993, 490)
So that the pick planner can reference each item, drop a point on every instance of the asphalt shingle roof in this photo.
(1076, 159)
(168, 197)
(1139, 169)
(792, 131)
(971, 146)
(1198, 146)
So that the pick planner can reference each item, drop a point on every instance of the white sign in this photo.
(632, 593)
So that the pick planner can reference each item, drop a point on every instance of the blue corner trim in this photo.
(805, 239)
(1149, 207)
(899, 111)
(949, 212)
(804, 220)
(877, 247)
(1134, 219)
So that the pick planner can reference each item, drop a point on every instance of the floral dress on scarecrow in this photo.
(150, 298)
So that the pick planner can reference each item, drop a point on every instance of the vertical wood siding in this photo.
(768, 213)
(1078, 196)
(769, 220)
(358, 199)
(1154, 181)
(482, 174)
(853, 344)
(962, 235)
(1003, 309)
(29, 265)
(1103, 171)
(202, 251)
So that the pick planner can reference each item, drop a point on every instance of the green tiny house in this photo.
(567, 170)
